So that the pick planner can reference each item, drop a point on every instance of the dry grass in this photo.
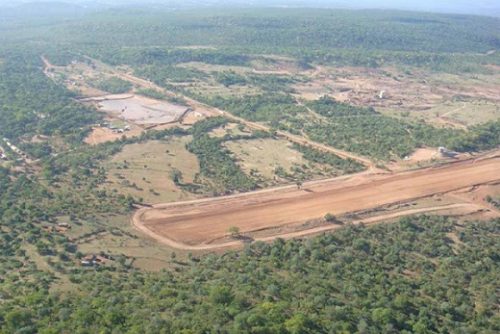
(276, 65)
(209, 68)
(125, 240)
(262, 157)
(265, 155)
(210, 87)
(149, 166)
(457, 114)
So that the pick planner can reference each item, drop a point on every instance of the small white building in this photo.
(447, 153)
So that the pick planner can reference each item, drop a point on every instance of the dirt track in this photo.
(193, 225)
(252, 125)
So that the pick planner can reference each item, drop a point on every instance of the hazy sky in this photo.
(480, 7)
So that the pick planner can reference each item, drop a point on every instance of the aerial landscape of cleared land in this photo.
(248, 170)
(177, 226)
(203, 222)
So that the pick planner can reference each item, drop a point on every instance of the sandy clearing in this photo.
(419, 158)
(191, 224)
(143, 110)
(102, 135)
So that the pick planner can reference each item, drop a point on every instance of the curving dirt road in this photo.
(467, 207)
(192, 225)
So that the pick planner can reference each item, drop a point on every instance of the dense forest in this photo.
(422, 274)
(407, 277)
(140, 37)
(114, 85)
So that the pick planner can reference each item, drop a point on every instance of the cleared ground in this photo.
(142, 110)
(197, 224)
(385, 87)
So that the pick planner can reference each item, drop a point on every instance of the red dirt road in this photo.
(195, 224)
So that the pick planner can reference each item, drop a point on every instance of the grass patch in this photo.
(144, 170)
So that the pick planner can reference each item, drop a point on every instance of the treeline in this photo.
(163, 75)
(269, 83)
(216, 164)
(454, 43)
(480, 137)
(347, 166)
(284, 29)
(172, 56)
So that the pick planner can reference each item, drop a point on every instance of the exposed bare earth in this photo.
(390, 87)
(193, 225)
(101, 135)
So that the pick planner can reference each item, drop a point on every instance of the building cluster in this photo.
(114, 128)
(95, 260)
(59, 228)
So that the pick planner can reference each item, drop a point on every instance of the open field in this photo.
(267, 157)
(422, 157)
(144, 170)
(197, 224)
(121, 239)
(458, 114)
(210, 68)
(211, 87)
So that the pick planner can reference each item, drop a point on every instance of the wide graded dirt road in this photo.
(195, 224)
